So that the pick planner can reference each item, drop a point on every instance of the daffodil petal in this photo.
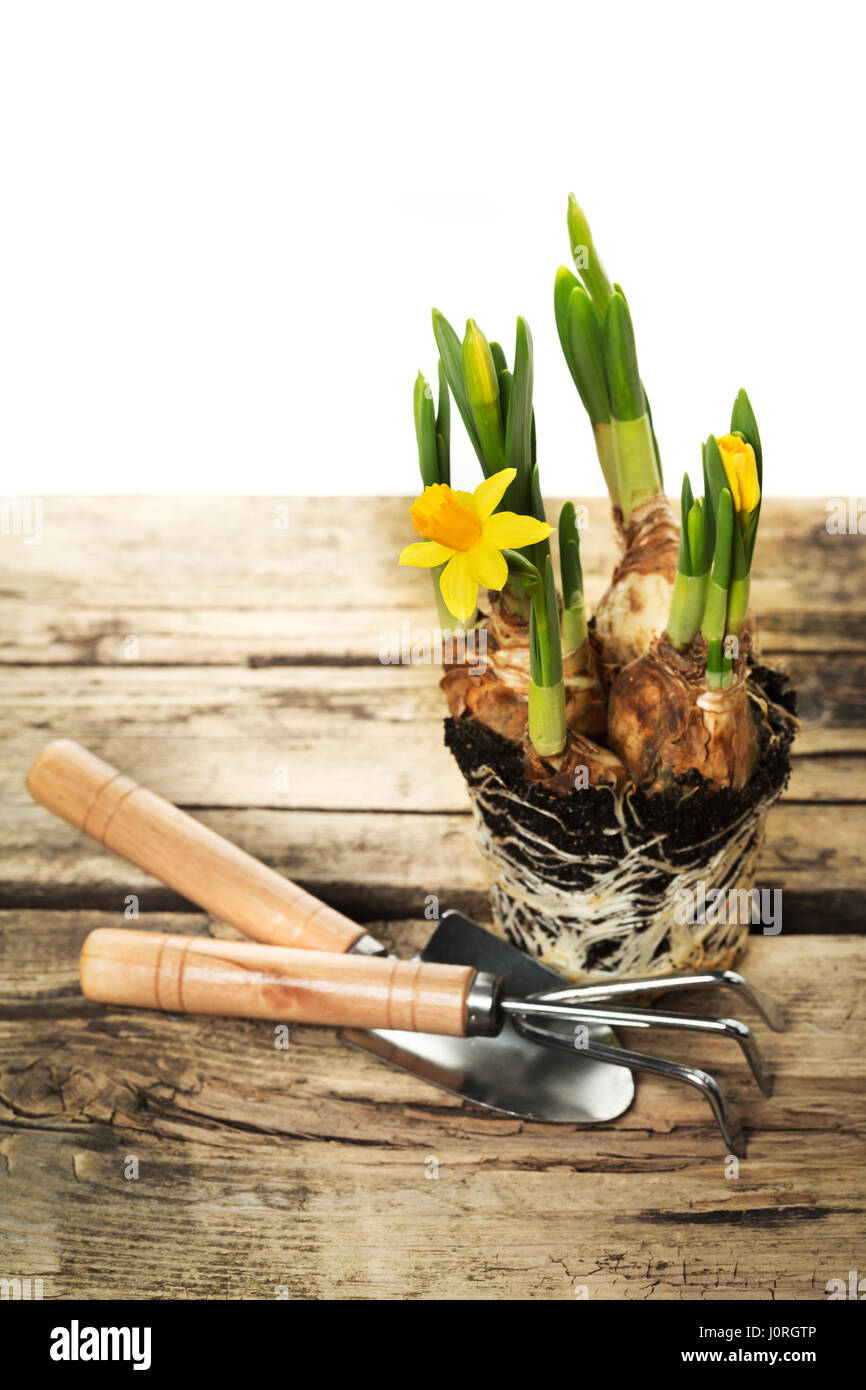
(464, 498)
(738, 458)
(488, 565)
(508, 530)
(426, 554)
(459, 586)
(490, 493)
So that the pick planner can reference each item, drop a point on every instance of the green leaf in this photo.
(620, 356)
(539, 552)
(565, 282)
(684, 559)
(743, 422)
(715, 612)
(586, 350)
(545, 641)
(525, 571)
(536, 669)
(688, 604)
(425, 431)
(586, 258)
(444, 457)
(501, 365)
(750, 535)
(498, 358)
(548, 733)
(443, 414)
(505, 384)
(417, 394)
(724, 540)
(570, 570)
(567, 523)
(451, 356)
(647, 411)
(715, 662)
(715, 478)
(518, 431)
(739, 558)
(706, 559)
(536, 501)
(572, 575)
(554, 638)
(695, 527)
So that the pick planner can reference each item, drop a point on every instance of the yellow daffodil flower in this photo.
(463, 533)
(741, 471)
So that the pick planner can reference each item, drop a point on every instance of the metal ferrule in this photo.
(483, 1005)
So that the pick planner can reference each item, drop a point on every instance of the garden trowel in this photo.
(554, 1056)
(510, 1072)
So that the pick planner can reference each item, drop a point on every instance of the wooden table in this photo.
(226, 652)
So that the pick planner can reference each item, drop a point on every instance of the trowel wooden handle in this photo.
(150, 832)
(198, 975)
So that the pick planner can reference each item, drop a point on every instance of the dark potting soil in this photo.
(687, 814)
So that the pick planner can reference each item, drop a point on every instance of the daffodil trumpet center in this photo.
(439, 516)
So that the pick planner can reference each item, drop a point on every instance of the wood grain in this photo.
(388, 864)
(313, 1171)
(281, 737)
(253, 579)
(311, 1167)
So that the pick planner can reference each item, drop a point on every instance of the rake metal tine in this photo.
(545, 1006)
(769, 1008)
(725, 1117)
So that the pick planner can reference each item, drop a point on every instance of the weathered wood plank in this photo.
(827, 778)
(238, 1218)
(386, 865)
(241, 1187)
(276, 634)
(308, 1169)
(308, 736)
(230, 585)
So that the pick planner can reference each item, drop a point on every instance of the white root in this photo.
(563, 924)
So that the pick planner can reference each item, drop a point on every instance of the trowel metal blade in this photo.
(508, 1073)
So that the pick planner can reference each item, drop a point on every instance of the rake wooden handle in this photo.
(180, 851)
(198, 975)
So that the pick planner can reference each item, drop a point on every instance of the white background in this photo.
(224, 226)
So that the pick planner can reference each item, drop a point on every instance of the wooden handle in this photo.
(150, 832)
(198, 975)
